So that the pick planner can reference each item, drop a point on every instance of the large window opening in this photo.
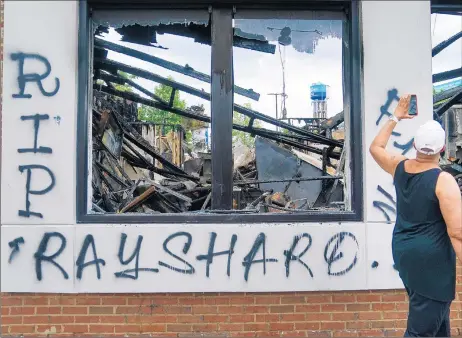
(446, 32)
(227, 114)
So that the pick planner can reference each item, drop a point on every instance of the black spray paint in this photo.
(40, 256)
(29, 168)
(211, 254)
(14, 245)
(249, 260)
(186, 247)
(383, 206)
(81, 264)
(336, 254)
(392, 96)
(23, 78)
(135, 256)
(332, 254)
(36, 118)
(290, 253)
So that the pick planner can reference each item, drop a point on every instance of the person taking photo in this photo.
(427, 235)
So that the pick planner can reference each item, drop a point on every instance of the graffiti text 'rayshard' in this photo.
(254, 259)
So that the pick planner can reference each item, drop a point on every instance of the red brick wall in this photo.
(331, 314)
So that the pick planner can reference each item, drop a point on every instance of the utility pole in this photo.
(276, 97)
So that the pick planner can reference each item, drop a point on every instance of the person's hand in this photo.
(401, 111)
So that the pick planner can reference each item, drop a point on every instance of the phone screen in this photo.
(413, 105)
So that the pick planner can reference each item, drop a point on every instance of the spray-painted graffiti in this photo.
(340, 256)
(384, 206)
(23, 79)
(392, 96)
(388, 207)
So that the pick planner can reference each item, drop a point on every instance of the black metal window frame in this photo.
(222, 56)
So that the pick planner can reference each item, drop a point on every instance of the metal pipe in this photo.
(298, 179)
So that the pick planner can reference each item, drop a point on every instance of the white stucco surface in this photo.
(48, 29)
(397, 55)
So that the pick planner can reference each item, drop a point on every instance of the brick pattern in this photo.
(320, 314)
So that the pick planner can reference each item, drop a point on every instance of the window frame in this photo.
(352, 79)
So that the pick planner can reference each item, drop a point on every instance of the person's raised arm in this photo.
(384, 159)
(448, 193)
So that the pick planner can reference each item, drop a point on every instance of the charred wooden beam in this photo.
(111, 174)
(122, 81)
(206, 96)
(448, 75)
(139, 161)
(133, 136)
(285, 140)
(446, 43)
(138, 200)
(185, 70)
(449, 103)
(139, 99)
(256, 131)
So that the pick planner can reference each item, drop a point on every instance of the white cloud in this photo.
(260, 71)
(263, 73)
(443, 27)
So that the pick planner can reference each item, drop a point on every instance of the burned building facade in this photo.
(152, 148)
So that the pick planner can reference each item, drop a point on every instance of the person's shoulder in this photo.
(446, 184)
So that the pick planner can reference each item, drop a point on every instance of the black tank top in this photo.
(422, 251)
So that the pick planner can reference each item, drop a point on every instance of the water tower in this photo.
(319, 97)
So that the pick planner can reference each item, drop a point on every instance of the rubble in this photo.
(137, 167)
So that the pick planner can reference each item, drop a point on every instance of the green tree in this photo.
(242, 137)
(159, 116)
(155, 115)
(125, 87)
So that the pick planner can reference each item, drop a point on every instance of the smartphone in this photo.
(412, 111)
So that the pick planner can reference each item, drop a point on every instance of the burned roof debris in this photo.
(149, 167)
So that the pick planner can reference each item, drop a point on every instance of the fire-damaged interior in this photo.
(152, 150)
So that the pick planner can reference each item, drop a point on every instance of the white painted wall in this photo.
(47, 28)
(397, 54)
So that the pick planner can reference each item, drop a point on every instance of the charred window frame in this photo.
(222, 13)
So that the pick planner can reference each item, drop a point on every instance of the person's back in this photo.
(422, 251)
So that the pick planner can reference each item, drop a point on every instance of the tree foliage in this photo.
(240, 136)
(159, 116)
(125, 87)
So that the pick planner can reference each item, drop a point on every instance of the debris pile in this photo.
(138, 167)
(129, 174)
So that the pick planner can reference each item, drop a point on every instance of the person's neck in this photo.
(427, 160)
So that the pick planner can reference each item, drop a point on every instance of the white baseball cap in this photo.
(430, 138)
